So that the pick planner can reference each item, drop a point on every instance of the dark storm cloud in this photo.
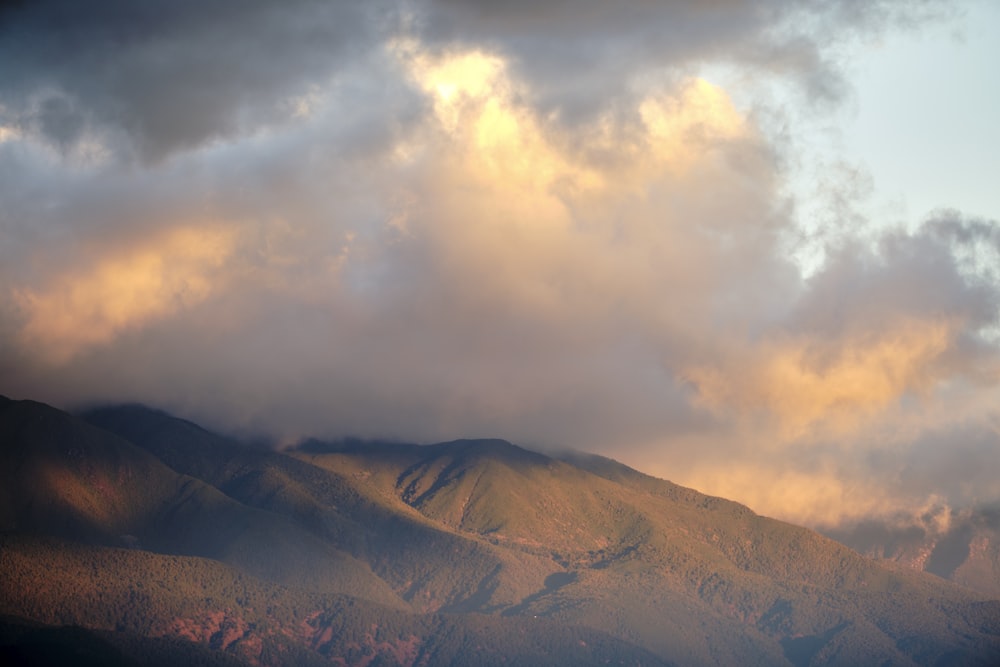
(170, 75)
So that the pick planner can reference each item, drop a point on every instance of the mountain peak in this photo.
(494, 448)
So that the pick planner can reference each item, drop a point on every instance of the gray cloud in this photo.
(165, 76)
(925, 273)
(153, 78)
(579, 54)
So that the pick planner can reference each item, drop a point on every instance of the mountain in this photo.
(146, 539)
(66, 478)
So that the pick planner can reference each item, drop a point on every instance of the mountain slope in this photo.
(425, 563)
(463, 544)
(154, 606)
(65, 478)
(666, 566)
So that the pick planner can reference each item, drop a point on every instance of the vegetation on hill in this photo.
(150, 535)
(148, 608)
(660, 564)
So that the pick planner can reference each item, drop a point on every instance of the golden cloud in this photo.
(566, 219)
(476, 102)
(807, 387)
(122, 291)
(500, 140)
(821, 498)
(683, 127)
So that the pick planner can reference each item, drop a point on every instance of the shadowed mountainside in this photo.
(69, 479)
(453, 550)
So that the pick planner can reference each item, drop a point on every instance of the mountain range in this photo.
(131, 537)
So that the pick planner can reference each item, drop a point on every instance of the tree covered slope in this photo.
(148, 537)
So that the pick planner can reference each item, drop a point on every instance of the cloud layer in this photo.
(436, 220)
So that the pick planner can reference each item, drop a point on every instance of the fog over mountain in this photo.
(555, 223)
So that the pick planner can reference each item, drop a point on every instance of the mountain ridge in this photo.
(479, 530)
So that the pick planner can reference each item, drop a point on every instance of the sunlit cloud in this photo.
(121, 292)
(819, 498)
(475, 103)
(685, 127)
(8, 134)
(816, 387)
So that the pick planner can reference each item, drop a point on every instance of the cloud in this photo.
(876, 325)
(151, 79)
(805, 385)
(472, 275)
(921, 476)
(875, 395)
(145, 82)
(125, 290)
(434, 220)
(578, 54)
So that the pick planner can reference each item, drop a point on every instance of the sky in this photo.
(750, 247)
